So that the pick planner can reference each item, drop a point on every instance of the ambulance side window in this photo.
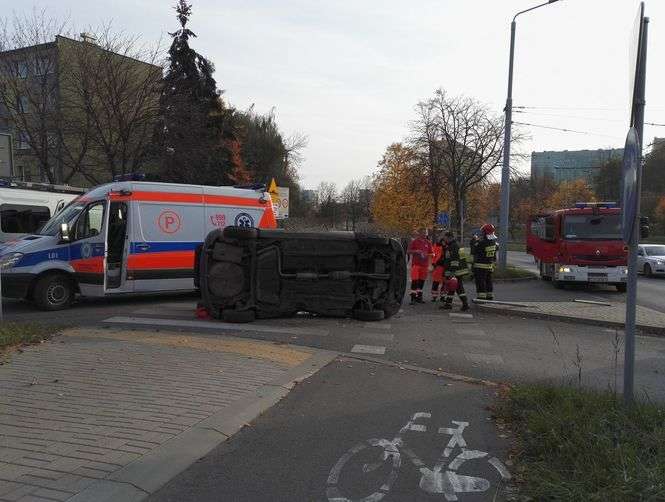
(90, 222)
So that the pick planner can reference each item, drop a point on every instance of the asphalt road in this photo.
(486, 345)
(650, 290)
(296, 450)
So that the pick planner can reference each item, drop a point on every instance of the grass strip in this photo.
(14, 333)
(583, 445)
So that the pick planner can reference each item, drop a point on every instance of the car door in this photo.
(640, 259)
(87, 249)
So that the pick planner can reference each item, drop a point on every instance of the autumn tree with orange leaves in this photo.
(400, 205)
(570, 192)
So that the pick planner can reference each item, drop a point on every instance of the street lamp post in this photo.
(505, 170)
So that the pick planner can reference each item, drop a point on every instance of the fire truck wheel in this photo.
(621, 288)
(53, 292)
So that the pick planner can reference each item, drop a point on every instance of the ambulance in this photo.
(125, 237)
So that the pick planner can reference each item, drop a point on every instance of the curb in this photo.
(645, 330)
(517, 279)
(146, 475)
(420, 369)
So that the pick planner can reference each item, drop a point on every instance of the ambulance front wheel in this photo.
(53, 292)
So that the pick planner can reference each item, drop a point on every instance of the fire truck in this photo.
(582, 244)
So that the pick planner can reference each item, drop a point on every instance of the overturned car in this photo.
(246, 273)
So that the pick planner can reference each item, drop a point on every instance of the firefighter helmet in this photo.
(487, 229)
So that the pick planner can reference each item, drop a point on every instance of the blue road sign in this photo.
(629, 202)
(443, 219)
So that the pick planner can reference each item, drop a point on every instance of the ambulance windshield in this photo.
(68, 213)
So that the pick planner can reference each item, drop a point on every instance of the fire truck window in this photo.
(550, 229)
(589, 227)
(18, 219)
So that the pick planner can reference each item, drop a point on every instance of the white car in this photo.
(651, 259)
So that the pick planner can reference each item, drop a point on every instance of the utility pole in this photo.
(505, 170)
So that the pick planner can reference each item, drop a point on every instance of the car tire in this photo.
(241, 233)
(369, 315)
(53, 292)
(647, 270)
(559, 284)
(238, 316)
(621, 288)
(391, 309)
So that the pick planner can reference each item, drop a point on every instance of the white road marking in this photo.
(368, 349)
(216, 325)
(484, 344)
(485, 358)
(460, 315)
(463, 331)
(381, 337)
(377, 325)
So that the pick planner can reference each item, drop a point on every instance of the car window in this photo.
(655, 251)
(20, 219)
(90, 222)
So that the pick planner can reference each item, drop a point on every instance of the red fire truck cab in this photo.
(579, 245)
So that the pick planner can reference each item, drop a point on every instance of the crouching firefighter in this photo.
(455, 267)
(484, 257)
(419, 250)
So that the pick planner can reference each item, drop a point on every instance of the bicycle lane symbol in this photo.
(442, 478)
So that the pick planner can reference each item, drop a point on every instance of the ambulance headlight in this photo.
(564, 270)
(9, 260)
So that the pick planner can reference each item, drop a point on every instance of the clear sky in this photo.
(347, 73)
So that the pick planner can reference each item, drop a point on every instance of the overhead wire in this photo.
(588, 133)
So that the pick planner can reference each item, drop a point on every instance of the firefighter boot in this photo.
(447, 303)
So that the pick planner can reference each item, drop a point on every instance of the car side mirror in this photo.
(64, 233)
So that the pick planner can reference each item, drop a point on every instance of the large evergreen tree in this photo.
(197, 135)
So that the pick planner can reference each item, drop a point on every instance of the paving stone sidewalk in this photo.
(114, 414)
(613, 315)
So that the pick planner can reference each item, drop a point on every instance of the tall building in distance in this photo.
(571, 165)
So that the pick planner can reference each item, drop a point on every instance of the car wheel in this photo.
(391, 309)
(647, 270)
(238, 316)
(241, 233)
(369, 315)
(559, 284)
(53, 292)
(621, 288)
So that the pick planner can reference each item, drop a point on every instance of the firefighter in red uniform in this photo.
(456, 267)
(420, 251)
(484, 256)
(438, 269)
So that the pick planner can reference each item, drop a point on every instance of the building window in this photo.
(18, 219)
(22, 139)
(42, 66)
(22, 69)
(22, 104)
